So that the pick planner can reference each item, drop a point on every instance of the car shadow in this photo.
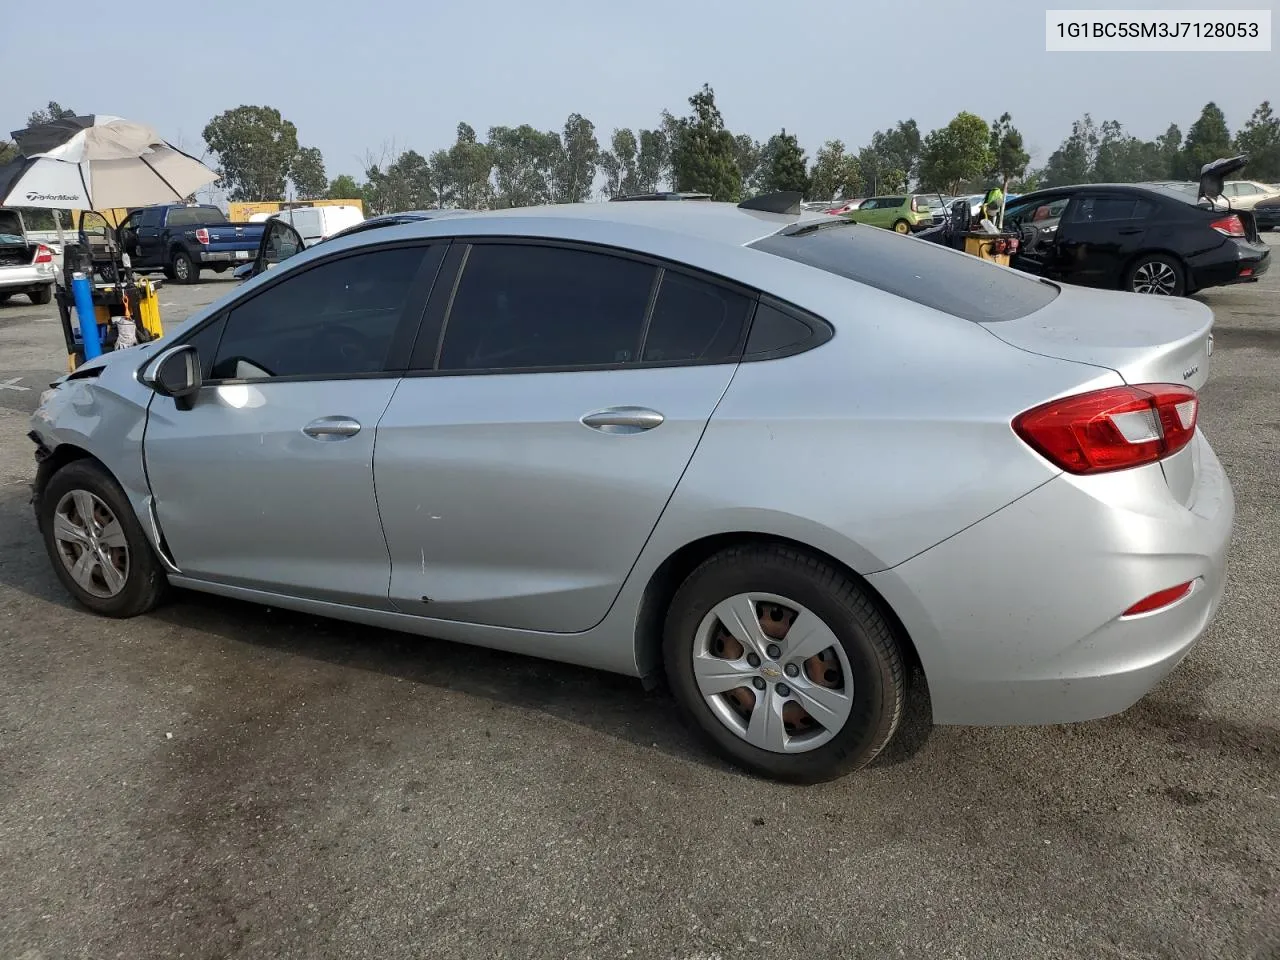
(615, 705)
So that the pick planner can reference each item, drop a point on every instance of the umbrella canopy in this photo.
(96, 163)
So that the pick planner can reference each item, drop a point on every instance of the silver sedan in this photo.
(786, 460)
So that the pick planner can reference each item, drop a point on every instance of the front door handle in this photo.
(332, 428)
(623, 420)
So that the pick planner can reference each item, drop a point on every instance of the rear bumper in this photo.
(226, 256)
(1018, 619)
(24, 278)
(1238, 261)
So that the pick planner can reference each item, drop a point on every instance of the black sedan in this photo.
(1147, 239)
(1267, 214)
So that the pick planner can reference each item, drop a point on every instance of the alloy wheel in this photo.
(91, 544)
(773, 672)
(1155, 277)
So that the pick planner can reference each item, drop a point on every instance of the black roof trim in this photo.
(786, 201)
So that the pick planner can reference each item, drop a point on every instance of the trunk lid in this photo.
(1143, 338)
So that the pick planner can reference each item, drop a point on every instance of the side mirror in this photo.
(175, 373)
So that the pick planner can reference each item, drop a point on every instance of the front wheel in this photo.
(184, 269)
(902, 227)
(784, 664)
(1158, 275)
(98, 548)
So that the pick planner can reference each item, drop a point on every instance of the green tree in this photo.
(471, 165)
(1207, 140)
(579, 158)
(749, 155)
(878, 176)
(653, 162)
(53, 111)
(307, 173)
(899, 148)
(786, 167)
(619, 164)
(955, 153)
(405, 184)
(1009, 158)
(703, 155)
(524, 164)
(1259, 140)
(1074, 160)
(835, 173)
(443, 180)
(7, 151)
(1169, 154)
(344, 187)
(255, 147)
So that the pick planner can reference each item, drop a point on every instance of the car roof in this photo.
(708, 220)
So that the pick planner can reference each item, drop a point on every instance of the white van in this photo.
(316, 223)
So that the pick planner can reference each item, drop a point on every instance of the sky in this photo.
(360, 76)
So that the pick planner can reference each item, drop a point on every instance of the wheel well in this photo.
(676, 568)
(63, 454)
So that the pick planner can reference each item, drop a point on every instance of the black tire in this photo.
(875, 659)
(1158, 274)
(4, 297)
(41, 295)
(184, 269)
(145, 581)
(901, 226)
(168, 272)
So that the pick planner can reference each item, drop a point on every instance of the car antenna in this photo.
(785, 201)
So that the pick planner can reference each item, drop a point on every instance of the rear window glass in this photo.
(194, 216)
(915, 270)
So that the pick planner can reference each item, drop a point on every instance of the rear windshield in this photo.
(194, 216)
(916, 270)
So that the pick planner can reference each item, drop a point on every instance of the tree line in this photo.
(259, 157)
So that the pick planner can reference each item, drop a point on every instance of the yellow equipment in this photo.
(989, 246)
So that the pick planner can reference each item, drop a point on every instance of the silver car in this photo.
(787, 460)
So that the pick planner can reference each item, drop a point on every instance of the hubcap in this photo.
(1155, 277)
(180, 268)
(91, 544)
(789, 703)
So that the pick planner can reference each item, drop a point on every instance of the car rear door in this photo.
(266, 482)
(544, 424)
(1099, 234)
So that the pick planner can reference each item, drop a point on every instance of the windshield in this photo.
(922, 272)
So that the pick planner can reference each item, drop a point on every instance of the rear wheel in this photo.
(184, 269)
(784, 664)
(1158, 275)
(41, 295)
(97, 546)
(902, 227)
(4, 296)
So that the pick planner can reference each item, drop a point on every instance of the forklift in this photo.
(125, 308)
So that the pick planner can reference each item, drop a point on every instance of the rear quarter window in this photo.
(915, 270)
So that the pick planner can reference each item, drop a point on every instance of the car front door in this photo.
(1038, 253)
(532, 447)
(1100, 233)
(280, 241)
(266, 482)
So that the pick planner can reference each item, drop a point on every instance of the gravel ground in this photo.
(220, 780)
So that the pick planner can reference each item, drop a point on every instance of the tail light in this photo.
(1229, 226)
(43, 255)
(203, 236)
(1111, 429)
(914, 207)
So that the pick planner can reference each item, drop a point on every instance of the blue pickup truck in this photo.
(182, 239)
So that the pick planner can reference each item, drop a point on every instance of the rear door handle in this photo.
(332, 428)
(623, 420)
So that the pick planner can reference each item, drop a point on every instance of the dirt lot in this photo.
(219, 780)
